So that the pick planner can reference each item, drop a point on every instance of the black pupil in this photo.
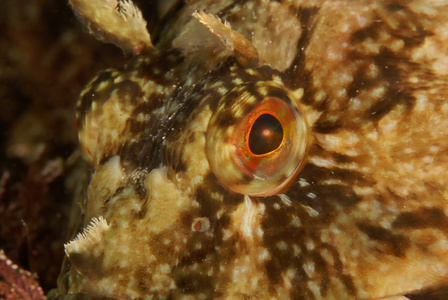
(266, 135)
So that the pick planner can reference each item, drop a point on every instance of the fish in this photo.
(265, 150)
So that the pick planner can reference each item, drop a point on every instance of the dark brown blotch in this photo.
(325, 126)
(329, 198)
(296, 76)
(386, 241)
(437, 292)
(129, 90)
(146, 108)
(422, 218)
(191, 283)
(156, 67)
(93, 95)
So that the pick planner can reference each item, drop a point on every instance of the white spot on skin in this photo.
(355, 104)
(309, 268)
(285, 199)
(314, 287)
(288, 277)
(320, 96)
(409, 167)
(311, 195)
(334, 181)
(312, 212)
(165, 268)
(222, 90)
(303, 182)
(282, 245)
(93, 105)
(222, 268)
(428, 159)
(238, 270)
(298, 93)
(309, 245)
(296, 249)
(226, 234)
(323, 162)
(216, 196)
(389, 127)
(364, 191)
(327, 256)
(264, 255)
(341, 93)
(254, 282)
(386, 224)
(295, 221)
(408, 150)
(220, 213)
(237, 81)
(333, 54)
(247, 217)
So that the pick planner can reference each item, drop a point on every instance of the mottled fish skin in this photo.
(366, 218)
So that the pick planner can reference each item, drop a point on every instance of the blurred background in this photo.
(46, 57)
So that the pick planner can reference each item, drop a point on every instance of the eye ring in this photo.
(252, 168)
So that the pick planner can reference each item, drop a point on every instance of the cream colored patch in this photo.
(104, 125)
(309, 113)
(165, 202)
(246, 218)
(322, 162)
(276, 37)
(343, 142)
(195, 37)
(132, 253)
(434, 50)
(245, 52)
(247, 270)
(105, 181)
(198, 163)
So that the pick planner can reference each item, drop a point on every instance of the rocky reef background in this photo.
(45, 59)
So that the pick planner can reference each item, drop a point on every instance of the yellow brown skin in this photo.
(365, 218)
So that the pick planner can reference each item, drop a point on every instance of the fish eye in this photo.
(257, 139)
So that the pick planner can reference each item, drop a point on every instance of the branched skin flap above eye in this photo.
(115, 21)
(231, 145)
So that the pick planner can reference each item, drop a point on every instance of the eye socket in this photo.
(257, 139)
